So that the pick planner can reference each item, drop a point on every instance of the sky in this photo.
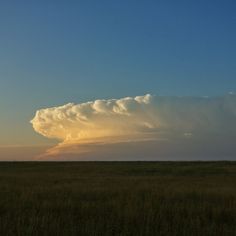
(59, 52)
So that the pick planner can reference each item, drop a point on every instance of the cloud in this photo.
(141, 118)
(98, 119)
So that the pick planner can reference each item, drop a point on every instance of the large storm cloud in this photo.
(140, 116)
(206, 120)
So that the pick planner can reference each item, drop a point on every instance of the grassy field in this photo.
(118, 198)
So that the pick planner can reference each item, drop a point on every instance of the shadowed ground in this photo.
(118, 198)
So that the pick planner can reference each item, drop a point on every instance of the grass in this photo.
(118, 198)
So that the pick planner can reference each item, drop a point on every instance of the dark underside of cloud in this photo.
(186, 150)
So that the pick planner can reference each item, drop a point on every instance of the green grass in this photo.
(118, 198)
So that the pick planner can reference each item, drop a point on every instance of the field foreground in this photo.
(118, 198)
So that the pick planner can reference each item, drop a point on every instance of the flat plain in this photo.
(117, 198)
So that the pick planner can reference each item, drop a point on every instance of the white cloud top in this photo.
(141, 117)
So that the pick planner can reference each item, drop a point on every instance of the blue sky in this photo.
(54, 52)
